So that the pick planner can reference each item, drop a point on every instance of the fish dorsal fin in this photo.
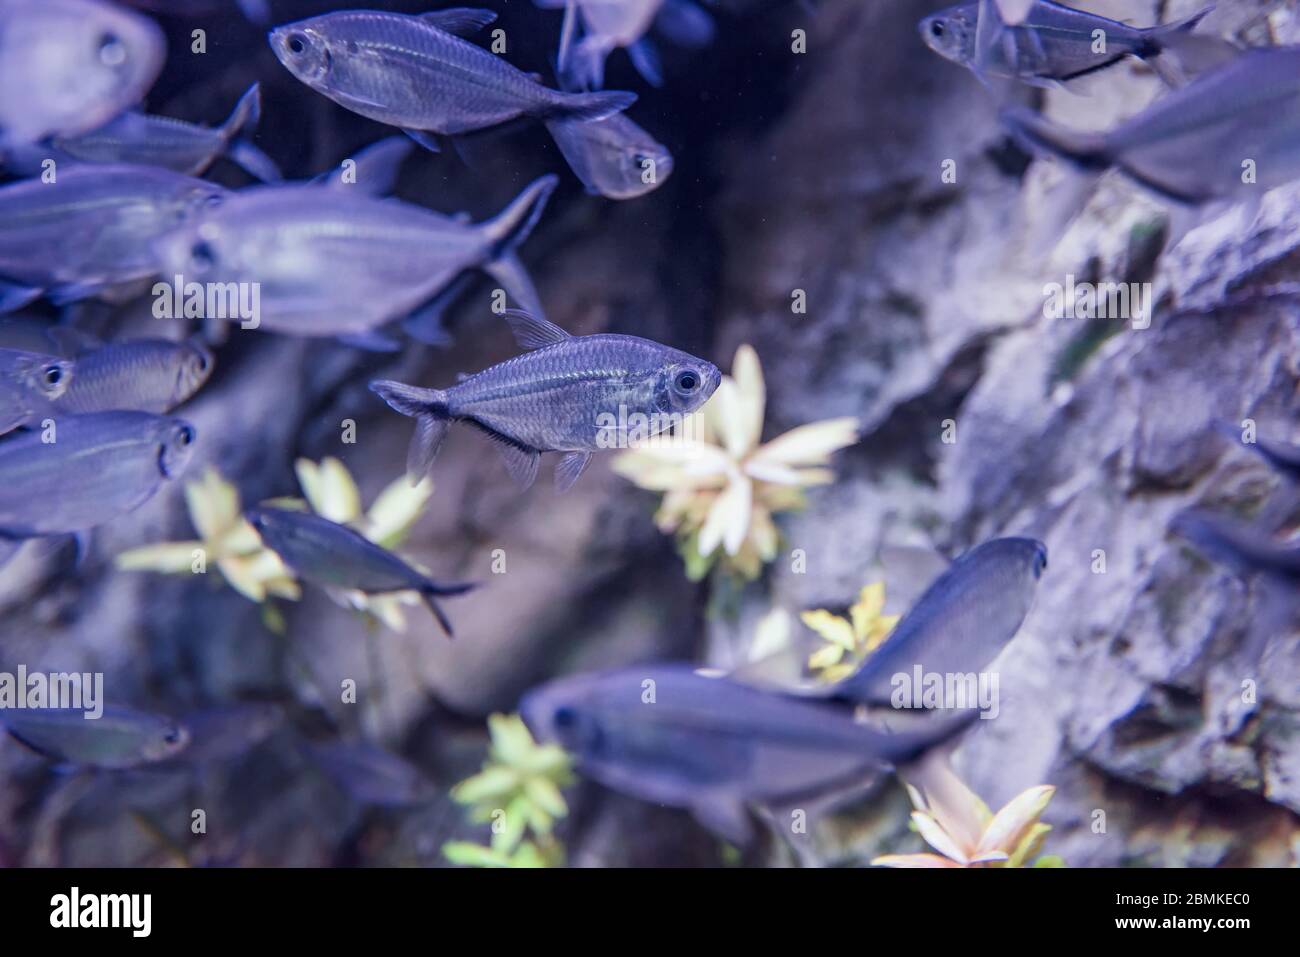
(460, 21)
(534, 332)
(521, 460)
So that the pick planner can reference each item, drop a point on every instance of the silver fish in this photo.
(346, 266)
(570, 394)
(415, 73)
(613, 157)
(258, 11)
(70, 66)
(94, 227)
(173, 144)
(147, 375)
(30, 382)
(670, 735)
(608, 25)
(119, 738)
(1054, 43)
(1240, 547)
(336, 557)
(1193, 144)
(97, 467)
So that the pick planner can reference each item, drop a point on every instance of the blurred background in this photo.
(820, 172)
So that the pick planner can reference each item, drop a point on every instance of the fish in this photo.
(144, 140)
(613, 157)
(118, 739)
(340, 559)
(608, 25)
(1282, 456)
(1052, 44)
(960, 623)
(668, 734)
(370, 775)
(258, 11)
(418, 74)
(92, 229)
(569, 394)
(97, 467)
(349, 265)
(1242, 548)
(1192, 146)
(147, 375)
(70, 66)
(30, 383)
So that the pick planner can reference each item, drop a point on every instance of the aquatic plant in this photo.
(722, 485)
(849, 640)
(518, 793)
(954, 821)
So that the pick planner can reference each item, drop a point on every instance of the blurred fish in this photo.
(370, 775)
(346, 267)
(258, 11)
(1240, 547)
(417, 74)
(1054, 43)
(173, 144)
(29, 383)
(70, 66)
(608, 25)
(1193, 144)
(147, 375)
(91, 229)
(613, 157)
(670, 735)
(97, 467)
(120, 738)
(228, 732)
(571, 394)
(1281, 455)
(340, 559)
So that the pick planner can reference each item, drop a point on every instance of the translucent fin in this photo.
(569, 468)
(533, 332)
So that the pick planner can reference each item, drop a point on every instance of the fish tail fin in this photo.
(512, 225)
(907, 746)
(1156, 36)
(1180, 57)
(588, 106)
(429, 409)
(245, 116)
(431, 590)
(1086, 151)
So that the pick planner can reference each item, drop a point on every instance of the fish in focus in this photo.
(29, 384)
(70, 66)
(1190, 146)
(1243, 549)
(338, 558)
(959, 625)
(92, 229)
(144, 140)
(613, 157)
(670, 735)
(98, 467)
(349, 265)
(569, 394)
(1052, 44)
(147, 375)
(118, 739)
(418, 74)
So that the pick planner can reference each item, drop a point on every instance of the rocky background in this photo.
(821, 172)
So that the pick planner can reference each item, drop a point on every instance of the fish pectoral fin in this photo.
(521, 460)
(569, 468)
(459, 21)
(646, 60)
(75, 292)
(15, 296)
(426, 324)
(426, 139)
(371, 341)
(534, 332)
(727, 817)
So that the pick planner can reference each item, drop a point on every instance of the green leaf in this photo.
(468, 854)
(491, 783)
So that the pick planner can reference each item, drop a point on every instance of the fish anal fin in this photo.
(521, 460)
(727, 817)
(569, 468)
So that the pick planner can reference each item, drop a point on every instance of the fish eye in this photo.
(213, 199)
(566, 718)
(297, 43)
(186, 435)
(172, 735)
(53, 375)
(1040, 561)
(112, 51)
(201, 362)
(936, 28)
(202, 257)
(687, 381)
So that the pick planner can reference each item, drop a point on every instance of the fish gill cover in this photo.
(878, 359)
